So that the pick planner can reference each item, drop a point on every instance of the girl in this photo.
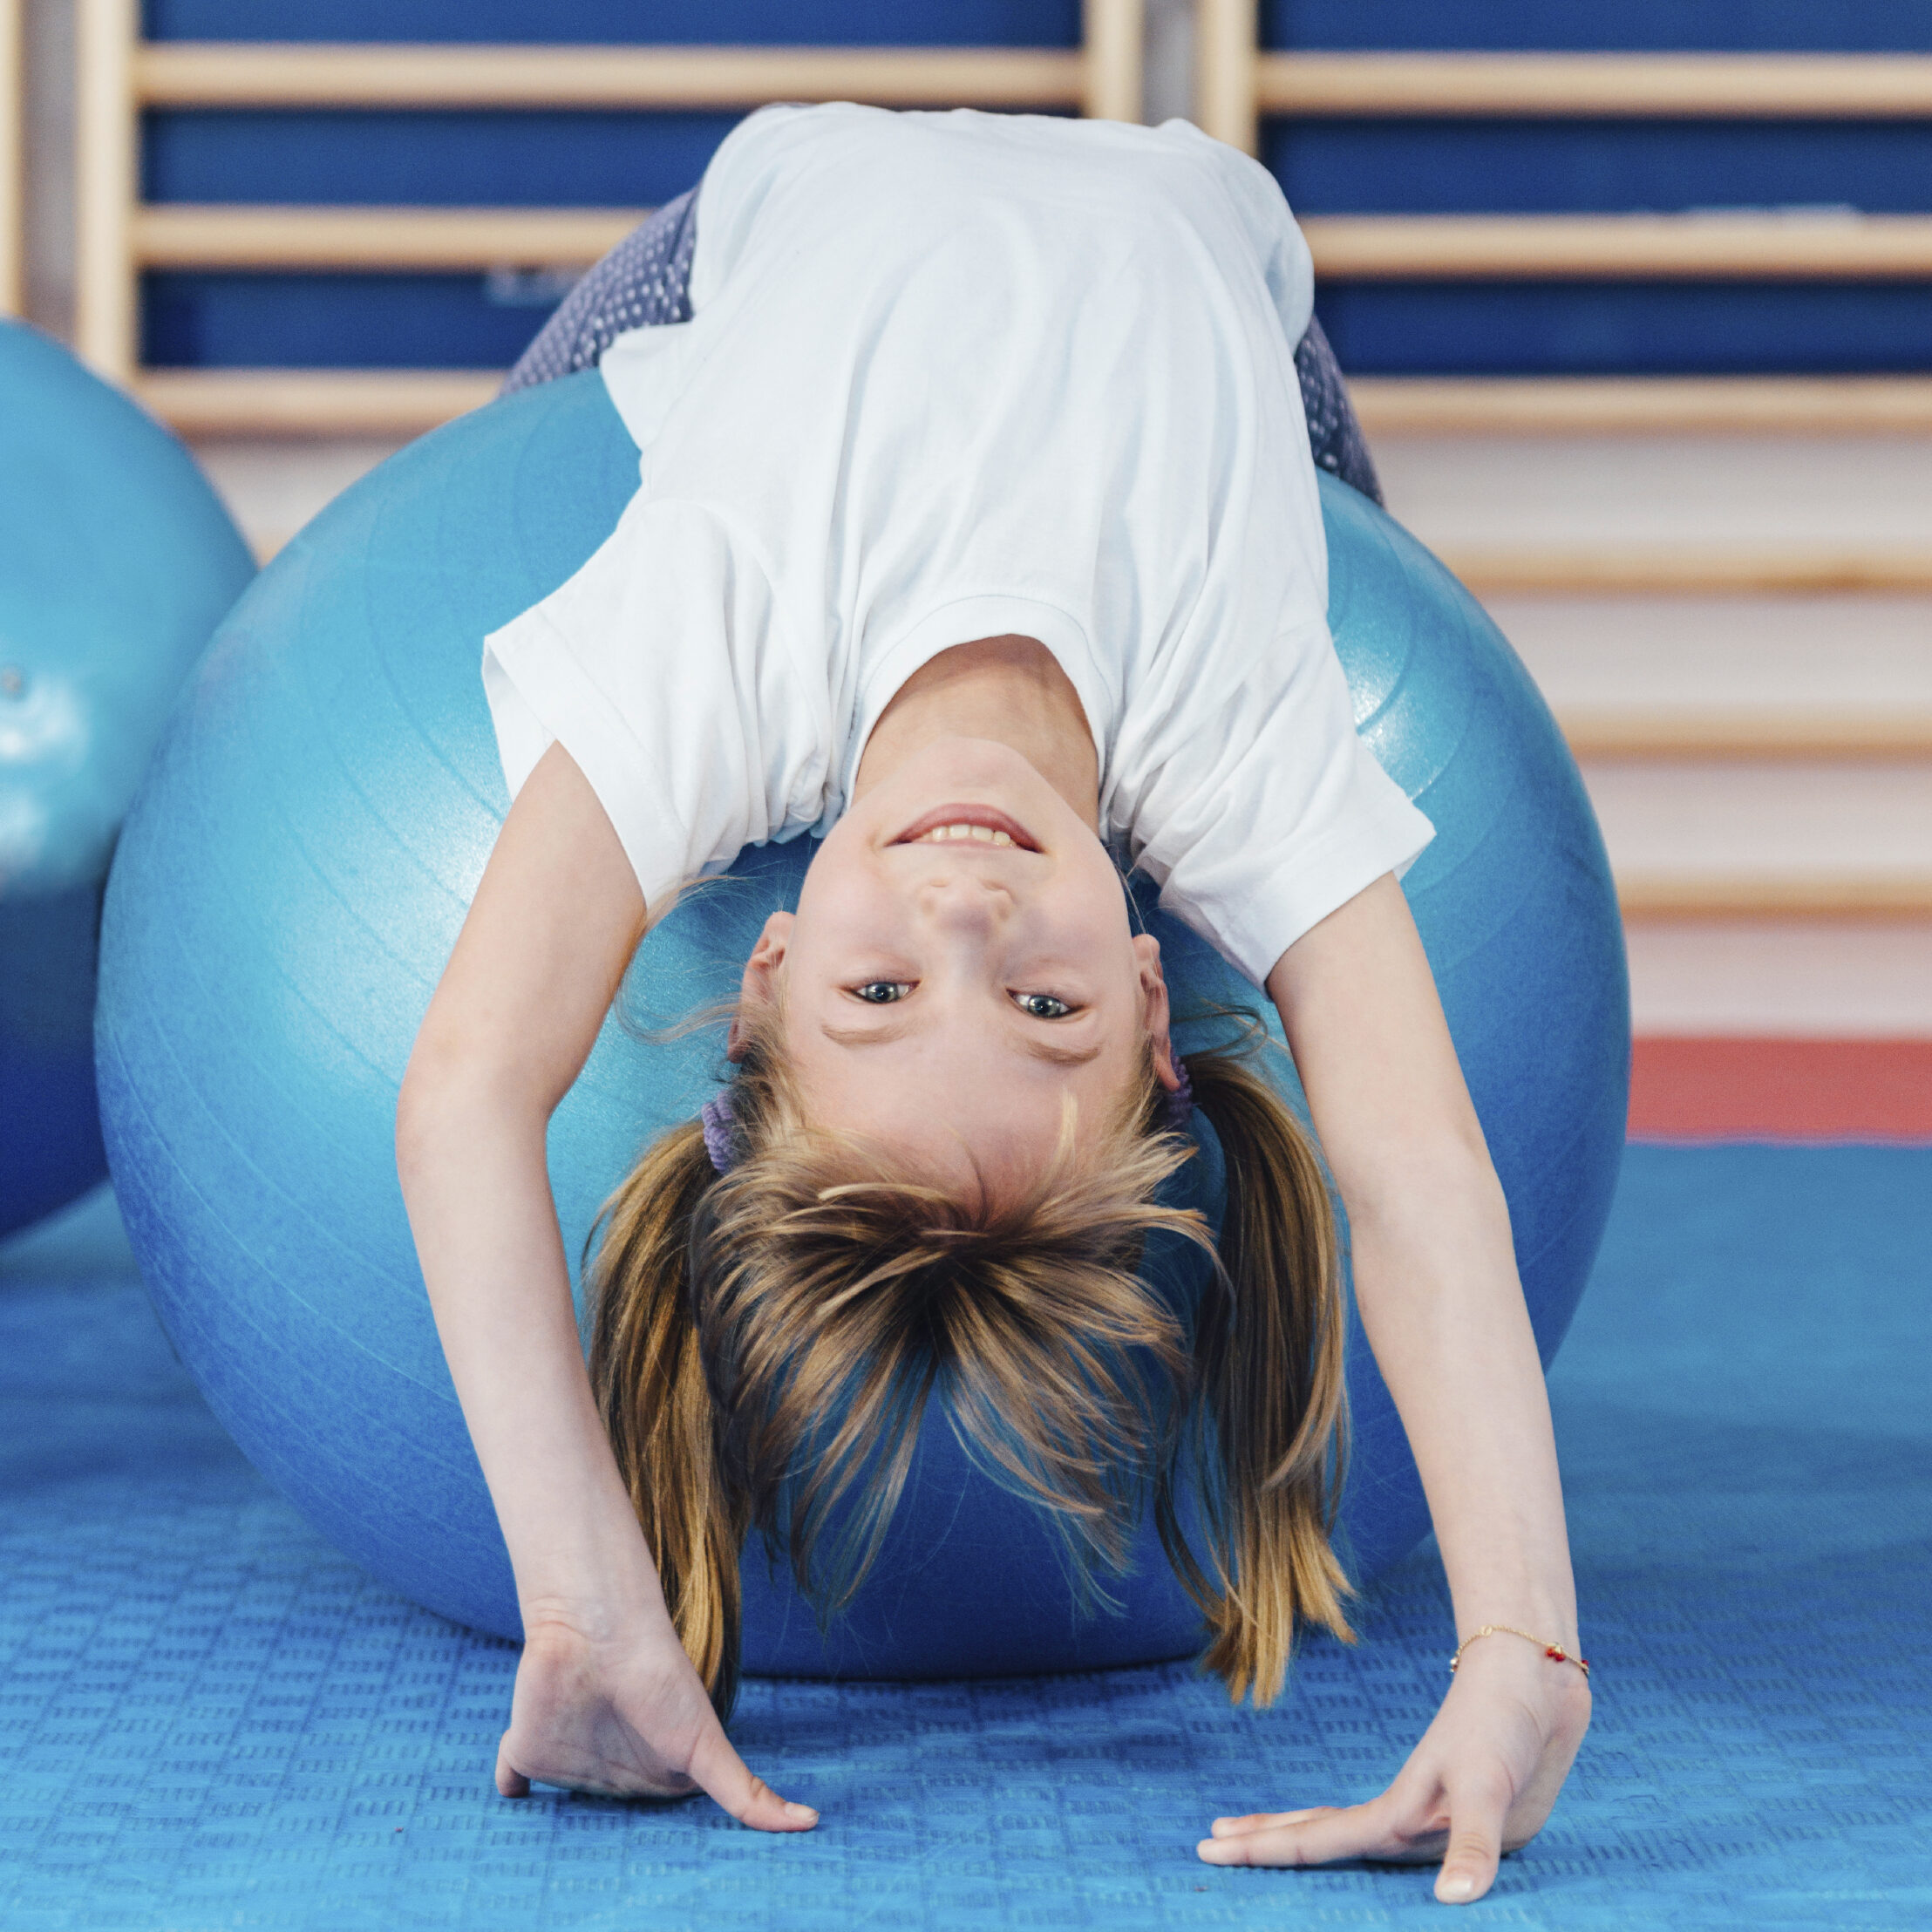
(977, 533)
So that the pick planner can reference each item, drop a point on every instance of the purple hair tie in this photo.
(720, 1131)
(1177, 1109)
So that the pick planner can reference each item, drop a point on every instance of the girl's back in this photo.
(956, 376)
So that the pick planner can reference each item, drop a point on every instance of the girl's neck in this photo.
(1009, 689)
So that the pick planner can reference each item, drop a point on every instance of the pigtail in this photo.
(649, 1380)
(1271, 1414)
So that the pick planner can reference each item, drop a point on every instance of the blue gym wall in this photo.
(1341, 167)
(505, 159)
(1508, 167)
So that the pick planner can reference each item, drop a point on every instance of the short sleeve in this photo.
(660, 668)
(1271, 812)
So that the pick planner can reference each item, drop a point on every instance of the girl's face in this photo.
(944, 991)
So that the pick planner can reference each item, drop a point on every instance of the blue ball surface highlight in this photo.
(116, 561)
(293, 876)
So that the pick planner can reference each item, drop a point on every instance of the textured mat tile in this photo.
(213, 1722)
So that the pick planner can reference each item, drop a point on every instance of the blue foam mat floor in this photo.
(207, 1719)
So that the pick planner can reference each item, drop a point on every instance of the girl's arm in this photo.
(606, 1700)
(1435, 1279)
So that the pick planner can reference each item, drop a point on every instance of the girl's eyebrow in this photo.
(881, 1035)
(1064, 1056)
(889, 1031)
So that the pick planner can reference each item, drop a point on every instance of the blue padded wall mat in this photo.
(1592, 167)
(1446, 167)
(212, 1721)
(1628, 329)
(210, 319)
(589, 158)
(341, 321)
(769, 23)
(1664, 27)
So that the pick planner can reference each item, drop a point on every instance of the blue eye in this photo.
(882, 992)
(1042, 1006)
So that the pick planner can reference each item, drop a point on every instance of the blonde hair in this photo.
(764, 1339)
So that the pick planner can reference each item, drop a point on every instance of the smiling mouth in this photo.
(984, 825)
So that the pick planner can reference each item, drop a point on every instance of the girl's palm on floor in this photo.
(627, 1719)
(1482, 1781)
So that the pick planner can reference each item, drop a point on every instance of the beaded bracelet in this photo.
(1556, 1652)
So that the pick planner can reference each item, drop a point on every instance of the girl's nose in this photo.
(963, 902)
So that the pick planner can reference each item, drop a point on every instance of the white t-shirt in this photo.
(956, 376)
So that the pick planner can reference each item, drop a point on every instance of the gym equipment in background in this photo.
(116, 561)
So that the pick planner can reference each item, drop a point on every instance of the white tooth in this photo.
(982, 832)
(1003, 838)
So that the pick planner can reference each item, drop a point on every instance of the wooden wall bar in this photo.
(106, 186)
(1606, 247)
(1644, 405)
(399, 402)
(1704, 248)
(228, 74)
(120, 75)
(1755, 734)
(1663, 86)
(1694, 569)
(178, 235)
(1237, 83)
(1849, 896)
(13, 160)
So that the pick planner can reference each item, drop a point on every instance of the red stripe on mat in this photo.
(1729, 1089)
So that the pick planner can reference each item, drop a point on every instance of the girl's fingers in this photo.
(723, 1774)
(510, 1782)
(1309, 1838)
(1257, 1822)
(1475, 1847)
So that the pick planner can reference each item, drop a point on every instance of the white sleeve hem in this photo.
(1291, 892)
(536, 688)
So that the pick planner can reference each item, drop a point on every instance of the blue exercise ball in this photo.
(292, 879)
(116, 561)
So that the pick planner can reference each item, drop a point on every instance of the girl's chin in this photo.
(977, 770)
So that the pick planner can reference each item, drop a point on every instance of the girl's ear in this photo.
(759, 987)
(1154, 995)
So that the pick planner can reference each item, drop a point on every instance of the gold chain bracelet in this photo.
(1556, 1652)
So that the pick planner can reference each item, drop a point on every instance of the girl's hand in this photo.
(626, 1717)
(1480, 1783)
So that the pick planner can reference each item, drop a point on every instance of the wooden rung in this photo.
(1688, 733)
(13, 152)
(1768, 86)
(1568, 406)
(245, 74)
(1375, 247)
(399, 403)
(1689, 569)
(1696, 248)
(1775, 896)
(184, 236)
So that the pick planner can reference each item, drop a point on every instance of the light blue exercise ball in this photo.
(116, 561)
(293, 876)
